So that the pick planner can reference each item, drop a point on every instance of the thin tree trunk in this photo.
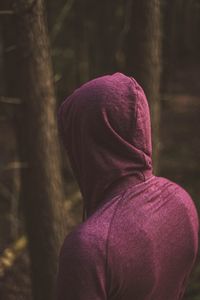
(8, 178)
(42, 192)
(4, 224)
(144, 58)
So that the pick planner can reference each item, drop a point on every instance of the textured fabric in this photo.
(140, 238)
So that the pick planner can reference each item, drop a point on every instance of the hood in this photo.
(105, 127)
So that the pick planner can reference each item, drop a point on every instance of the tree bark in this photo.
(144, 59)
(42, 192)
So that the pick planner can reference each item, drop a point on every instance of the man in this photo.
(140, 237)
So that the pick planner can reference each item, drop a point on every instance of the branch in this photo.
(10, 100)
(7, 12)
(10, 48)
(59, 22)
(13, 165)
(11, 253)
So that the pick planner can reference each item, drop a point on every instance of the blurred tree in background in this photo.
(154, 41)
(41, 187)
(143, 55)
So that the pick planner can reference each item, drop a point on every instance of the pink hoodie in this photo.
(140, 238)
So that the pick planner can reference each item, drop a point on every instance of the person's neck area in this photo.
(120, 185)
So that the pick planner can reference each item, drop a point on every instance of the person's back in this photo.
(140, 238)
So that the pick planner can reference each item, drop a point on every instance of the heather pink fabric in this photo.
(140, 236)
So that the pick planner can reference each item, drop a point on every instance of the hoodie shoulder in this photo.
(181, 196)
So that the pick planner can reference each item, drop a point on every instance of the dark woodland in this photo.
(49, 48)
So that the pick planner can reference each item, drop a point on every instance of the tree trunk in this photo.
(42, 192)
(143, 59)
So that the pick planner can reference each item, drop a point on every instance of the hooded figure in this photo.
(140, 236)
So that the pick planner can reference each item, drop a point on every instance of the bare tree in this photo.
(41, 192)
(144, 59)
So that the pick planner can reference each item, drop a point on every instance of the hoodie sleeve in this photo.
(81, 274)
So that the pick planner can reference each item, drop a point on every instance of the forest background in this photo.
(46, 51)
